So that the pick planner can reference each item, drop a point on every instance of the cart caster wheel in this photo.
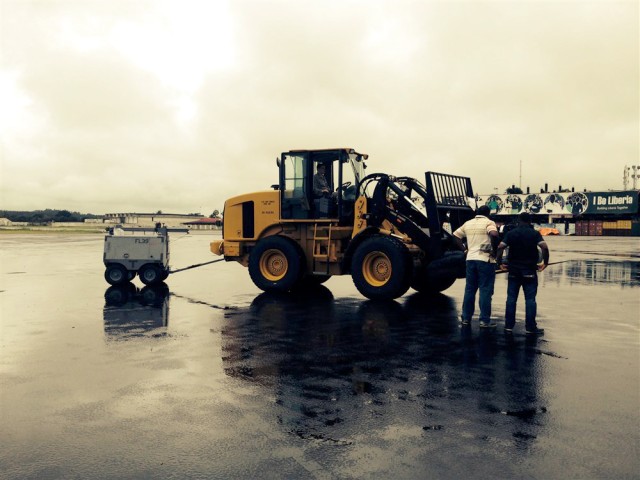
(116, 274)
(150, 274)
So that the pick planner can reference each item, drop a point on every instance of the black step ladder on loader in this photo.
(322, 248)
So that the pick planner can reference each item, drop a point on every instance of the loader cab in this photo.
(343, 170)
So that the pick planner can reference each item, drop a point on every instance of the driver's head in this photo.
(321, 168)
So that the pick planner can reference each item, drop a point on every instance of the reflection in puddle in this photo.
(589, 272)
(335, 365)
(131, 312)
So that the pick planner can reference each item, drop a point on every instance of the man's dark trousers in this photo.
(480, 276)
(528, 280)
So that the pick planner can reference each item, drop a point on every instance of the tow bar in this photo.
(195, 266)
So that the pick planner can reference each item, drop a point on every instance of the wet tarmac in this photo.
(207, 377)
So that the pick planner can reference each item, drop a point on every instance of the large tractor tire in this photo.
(432, 284)
(275, 264)
(439, 274)
(381, 268)
(312, 281)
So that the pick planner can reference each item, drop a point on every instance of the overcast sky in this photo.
(131, 105)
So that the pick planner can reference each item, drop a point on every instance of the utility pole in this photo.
(520, 181)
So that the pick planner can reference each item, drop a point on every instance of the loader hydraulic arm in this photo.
(392, 201)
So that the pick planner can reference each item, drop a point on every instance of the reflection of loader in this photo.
(389, 233)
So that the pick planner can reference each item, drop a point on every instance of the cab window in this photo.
(294, 191)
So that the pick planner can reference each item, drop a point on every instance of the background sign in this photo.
(573, 203)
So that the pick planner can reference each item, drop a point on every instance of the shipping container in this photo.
(595, 228)
(624, 227)
(609, 229)
(624, 224)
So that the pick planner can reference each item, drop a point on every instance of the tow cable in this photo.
(196, 265)
(498, 271)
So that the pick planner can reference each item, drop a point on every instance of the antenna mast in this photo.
(520, 181)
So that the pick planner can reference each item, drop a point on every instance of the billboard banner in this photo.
(569, 203)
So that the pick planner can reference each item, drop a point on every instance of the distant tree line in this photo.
(46, 216)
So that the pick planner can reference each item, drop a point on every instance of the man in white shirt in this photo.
(482, 238)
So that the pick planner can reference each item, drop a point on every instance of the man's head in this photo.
(483, 210)
(321, 168)
(525, 217)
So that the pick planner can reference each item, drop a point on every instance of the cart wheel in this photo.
(154, 295)
(116, 274)
(118, 295)
(150, 274)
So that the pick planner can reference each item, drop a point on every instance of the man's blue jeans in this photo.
(480, 276)
(528, 280)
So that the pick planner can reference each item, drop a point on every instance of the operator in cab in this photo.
(320, 184)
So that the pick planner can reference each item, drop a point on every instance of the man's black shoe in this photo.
(537, 331)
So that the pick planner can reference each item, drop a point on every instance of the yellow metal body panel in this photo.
(266, 212)
(231, 249)
(360, 209)
(217, 247)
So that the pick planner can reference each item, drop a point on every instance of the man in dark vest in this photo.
(523, 265)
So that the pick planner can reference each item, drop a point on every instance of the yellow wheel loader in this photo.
(389, 233)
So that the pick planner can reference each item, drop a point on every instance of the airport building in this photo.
(197, 222)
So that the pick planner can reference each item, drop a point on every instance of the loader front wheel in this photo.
(432, 285)
(381, 268)
(275, 264)
(313, 280)
(440, 274)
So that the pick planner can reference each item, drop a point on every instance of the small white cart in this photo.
(141, 251)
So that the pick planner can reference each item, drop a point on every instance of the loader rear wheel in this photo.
(275, 264)
(150, 274)
(381, 268)
(116, 274)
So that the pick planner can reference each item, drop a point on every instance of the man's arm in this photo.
(459, 243)
(501, 248)
(494, 236)
(545, 255)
